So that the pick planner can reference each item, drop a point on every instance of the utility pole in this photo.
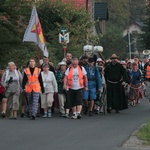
(128, 32)
(90, 11)
(87, 5)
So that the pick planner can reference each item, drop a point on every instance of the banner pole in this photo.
(65, 49)
(102, 56)
(38, 54)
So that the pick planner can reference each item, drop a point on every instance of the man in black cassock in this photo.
(115, 77)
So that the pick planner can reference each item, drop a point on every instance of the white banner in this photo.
(34, 32)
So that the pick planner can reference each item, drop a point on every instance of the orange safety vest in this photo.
(33, 81)
(70, 77)
(147, 72)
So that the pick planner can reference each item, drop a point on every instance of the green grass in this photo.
(144, 133)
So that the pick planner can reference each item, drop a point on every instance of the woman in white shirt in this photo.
(50, 87)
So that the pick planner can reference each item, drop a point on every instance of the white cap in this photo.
(62, 63)
(99, 59)
(123, 63)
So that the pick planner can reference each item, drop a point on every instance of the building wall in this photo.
(77, 3)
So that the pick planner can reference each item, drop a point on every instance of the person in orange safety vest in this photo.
(32, 84)
(75, 80)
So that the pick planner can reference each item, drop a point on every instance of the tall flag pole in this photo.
(34, 32)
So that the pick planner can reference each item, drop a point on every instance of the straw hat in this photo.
(114, 56)
(62, 63)
(11, 63)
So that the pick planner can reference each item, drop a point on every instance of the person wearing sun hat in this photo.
(115, 76)
(61, 92)
(100, 64)
(114, 56)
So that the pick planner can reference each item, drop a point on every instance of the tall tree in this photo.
(137, 10)
(113, 43)
(56, 16)
(146, 29)
(13, 17)
(121, 13)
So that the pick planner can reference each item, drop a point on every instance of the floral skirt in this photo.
(136, 92)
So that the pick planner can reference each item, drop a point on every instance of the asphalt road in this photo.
(99, 132)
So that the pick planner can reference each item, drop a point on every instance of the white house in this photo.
(134, 28)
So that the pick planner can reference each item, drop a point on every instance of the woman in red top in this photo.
(3, 99)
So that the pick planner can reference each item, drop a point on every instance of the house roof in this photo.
(140, 24)
(101, 11)
(137, 23)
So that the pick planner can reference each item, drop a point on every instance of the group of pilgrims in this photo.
(72, 87)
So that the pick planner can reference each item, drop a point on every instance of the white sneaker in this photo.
(74, 116)
(66, 115)
(49, 115)
(45, 115)
(101, 110)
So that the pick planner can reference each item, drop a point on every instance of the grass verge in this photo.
(144, 133)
